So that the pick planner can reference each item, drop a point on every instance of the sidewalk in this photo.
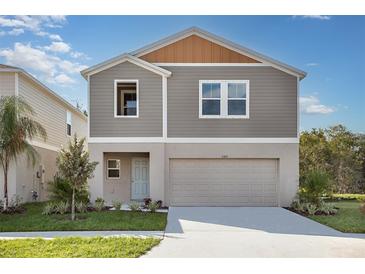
(55, 234)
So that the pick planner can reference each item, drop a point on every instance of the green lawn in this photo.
(348, 219)
(33, 220)
(97, 247)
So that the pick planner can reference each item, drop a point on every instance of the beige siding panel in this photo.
(7, 83)
(50, 113)
(273, 103)
(102, 120)
(223, 182)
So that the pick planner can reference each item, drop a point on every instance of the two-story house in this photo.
(194, 120)
(60, 119)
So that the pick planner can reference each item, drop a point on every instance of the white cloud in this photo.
(318, 17)
(77, 54)
(58, 47)
(16, 32)
(55, 37)
(63, 79)
(47, 66)
(312, 105)
(312, 64)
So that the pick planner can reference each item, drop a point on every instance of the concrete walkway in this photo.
(55, 234)
(251, 232)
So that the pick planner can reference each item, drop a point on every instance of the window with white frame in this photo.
(68, 123)
(224, 98)
(113, 168)
(126, 98)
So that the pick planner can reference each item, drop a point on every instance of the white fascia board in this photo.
(121, 59)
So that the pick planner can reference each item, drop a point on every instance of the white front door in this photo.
(140, 178)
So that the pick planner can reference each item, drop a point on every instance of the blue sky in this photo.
(329, 48)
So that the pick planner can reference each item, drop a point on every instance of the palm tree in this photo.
(17, 128)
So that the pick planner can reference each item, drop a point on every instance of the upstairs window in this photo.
(68, 123)
(126, 98)
(224, 99)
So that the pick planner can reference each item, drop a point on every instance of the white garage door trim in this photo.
(249, 184)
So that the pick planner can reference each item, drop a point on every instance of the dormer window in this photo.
(126, 98)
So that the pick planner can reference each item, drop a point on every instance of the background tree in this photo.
(17, 127)
(338, 152)
(75, 166)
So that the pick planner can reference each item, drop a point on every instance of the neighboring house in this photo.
(194, 120)
(61, 121)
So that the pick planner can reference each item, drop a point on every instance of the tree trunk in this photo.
(6, 199)
(73, 205)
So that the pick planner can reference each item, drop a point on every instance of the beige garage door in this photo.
(223, 182)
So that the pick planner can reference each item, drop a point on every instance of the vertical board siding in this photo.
(273, 103)
(7, 83)
(102, 120)
(50, 113)
(194, 49)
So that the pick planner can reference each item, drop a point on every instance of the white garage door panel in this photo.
(223, 182)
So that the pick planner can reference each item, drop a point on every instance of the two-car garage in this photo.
(223, 182)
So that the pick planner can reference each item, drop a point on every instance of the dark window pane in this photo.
(68, 129)
(236, 107)
(211, 107)
(113, 164)
(113, 173)
(130, 111)
(130, 104)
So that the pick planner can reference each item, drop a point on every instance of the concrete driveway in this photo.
(251, 232)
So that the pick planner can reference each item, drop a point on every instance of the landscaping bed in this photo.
(32, 219)
(348, 218)
(75, 247)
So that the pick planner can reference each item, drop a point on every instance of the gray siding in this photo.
(273, 103)
(102, 120)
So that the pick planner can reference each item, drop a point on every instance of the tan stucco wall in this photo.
(287, 154)
(97, 185)
(26, 179)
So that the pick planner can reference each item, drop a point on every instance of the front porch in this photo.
(126, 177)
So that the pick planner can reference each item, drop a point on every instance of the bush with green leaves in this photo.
(327, 208)
(60, 189)
(99, 204)
(62, 207)
(134, 206)
(153, 206)
(81, 207)
(49, 208)
(314, 187)
(117, 205)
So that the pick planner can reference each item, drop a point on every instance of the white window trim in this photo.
(224, 100)
(112, 168)
(115, 97)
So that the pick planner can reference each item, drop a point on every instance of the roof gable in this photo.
(265, 60)
(195, 49)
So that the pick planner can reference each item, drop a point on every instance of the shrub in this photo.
(311, 208)
(61, 190)
(135, 206)
(62, 207)
(152, 206)
(314, 187)
(49, 209)
(16, 201)
(81, 207)
(327, 208)
(99, 204)
(1, 205)
(117, 205)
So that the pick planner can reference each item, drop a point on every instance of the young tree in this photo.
(17, 128)
(74, 165)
